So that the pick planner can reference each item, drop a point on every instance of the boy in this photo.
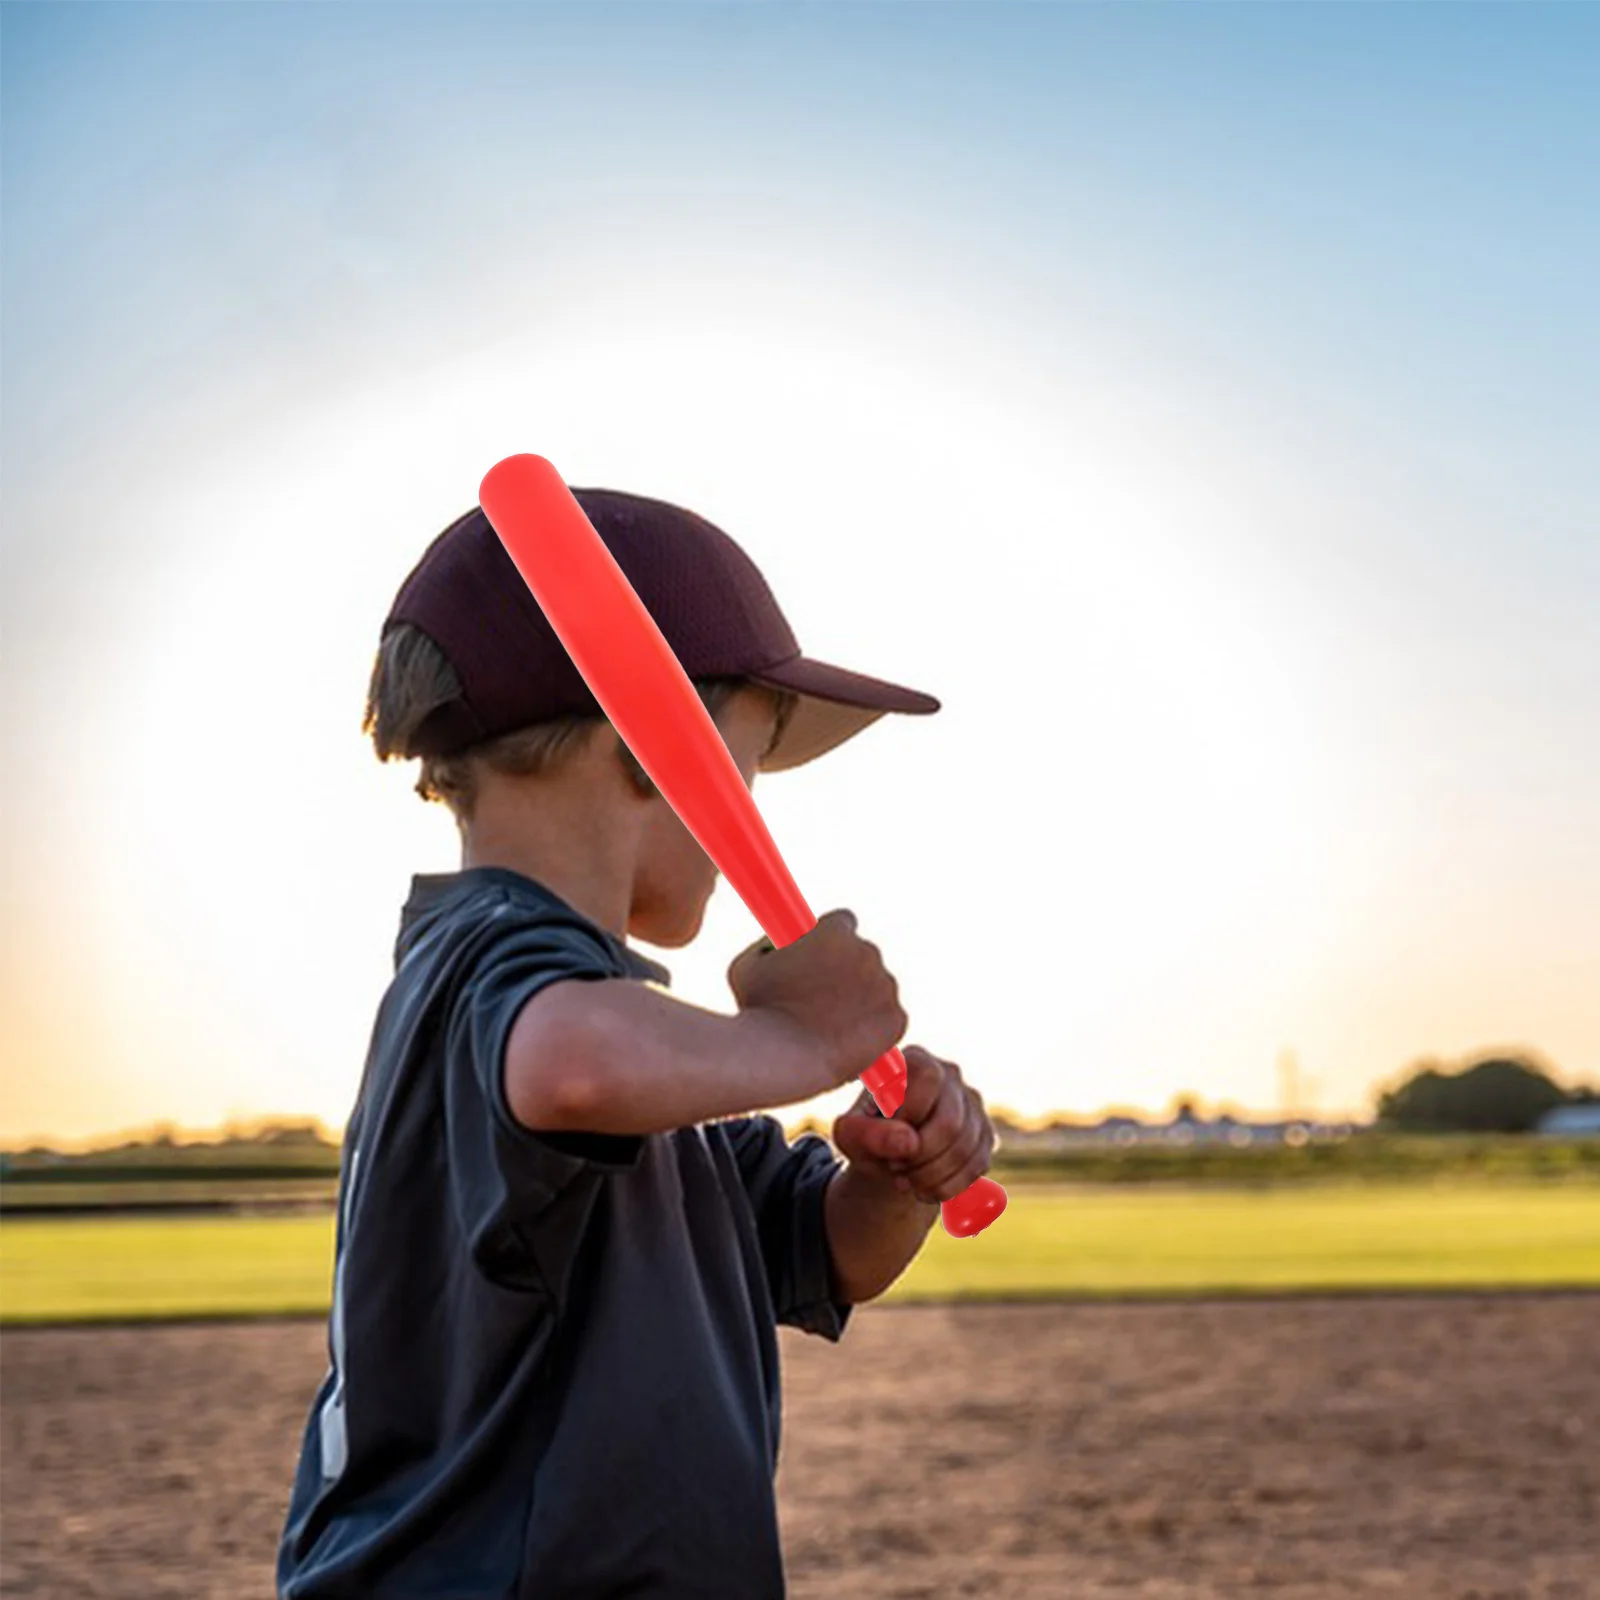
(566, 1232)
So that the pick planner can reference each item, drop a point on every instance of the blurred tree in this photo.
(1503, 1094)
(307, 1132)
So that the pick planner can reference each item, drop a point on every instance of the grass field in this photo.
(96, 1267)
(1052, 1241)
(1210, 1241)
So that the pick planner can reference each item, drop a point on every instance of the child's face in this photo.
(675, 876)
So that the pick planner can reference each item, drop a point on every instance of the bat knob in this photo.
(973, 1209)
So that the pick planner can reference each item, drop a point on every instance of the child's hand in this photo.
(935, 1146)
(833, 984)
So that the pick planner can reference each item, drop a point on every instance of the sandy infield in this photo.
(1419, 1447)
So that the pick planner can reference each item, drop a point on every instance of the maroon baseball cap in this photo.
(703, 591)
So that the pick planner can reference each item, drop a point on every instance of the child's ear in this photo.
(638, 779)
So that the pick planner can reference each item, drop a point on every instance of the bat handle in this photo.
(980, 1202)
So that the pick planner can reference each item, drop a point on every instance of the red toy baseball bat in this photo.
(642, 688)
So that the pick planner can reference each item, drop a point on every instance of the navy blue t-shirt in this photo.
(553, 1358)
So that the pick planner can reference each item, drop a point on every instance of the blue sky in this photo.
(1267, 333)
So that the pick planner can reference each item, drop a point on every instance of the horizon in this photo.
(1206, 1107)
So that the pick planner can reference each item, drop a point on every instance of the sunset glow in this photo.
(1249, 545)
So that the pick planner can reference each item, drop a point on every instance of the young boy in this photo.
(564, 1240)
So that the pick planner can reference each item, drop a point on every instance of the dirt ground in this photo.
(1424, 1447)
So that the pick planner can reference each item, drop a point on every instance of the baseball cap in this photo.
(706, 595)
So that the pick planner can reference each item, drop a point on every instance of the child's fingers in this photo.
(883, 1140)
(945, 1174)
(948, 1122)
(740, 967)
(925, 1082)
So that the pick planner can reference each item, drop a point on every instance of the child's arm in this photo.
(618, 1056)
(874, 1233)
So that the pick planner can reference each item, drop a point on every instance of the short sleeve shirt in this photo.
(553, 1360)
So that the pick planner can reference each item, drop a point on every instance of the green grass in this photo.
(86, 1268)
(1052, 1241)
(20, 1198)
(1149, 1240)
(1362, 1158)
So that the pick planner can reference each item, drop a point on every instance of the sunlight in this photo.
(1121, 739)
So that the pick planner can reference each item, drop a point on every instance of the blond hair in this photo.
(412, 678)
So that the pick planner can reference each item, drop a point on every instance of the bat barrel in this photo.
(646, 695)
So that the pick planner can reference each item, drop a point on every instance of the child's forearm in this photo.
(616, 1056)
(874, 1232)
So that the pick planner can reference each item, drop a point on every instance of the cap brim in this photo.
(834, 705)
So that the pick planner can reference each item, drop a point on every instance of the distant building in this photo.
(1580, 1121)
(1183, 1131)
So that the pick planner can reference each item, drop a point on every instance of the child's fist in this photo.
(833, 983)
(936, 1145)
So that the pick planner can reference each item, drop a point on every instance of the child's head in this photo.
(520, 798)
(470, 678)
(412, 678)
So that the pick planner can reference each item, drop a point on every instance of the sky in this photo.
(1200, 401)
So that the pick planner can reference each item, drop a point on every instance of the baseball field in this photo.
(1054, 1240)
(1427, 1447)
(1307, 1392)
